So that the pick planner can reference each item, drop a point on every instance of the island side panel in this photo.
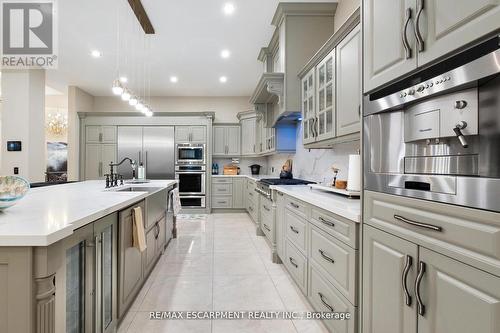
(16, 290)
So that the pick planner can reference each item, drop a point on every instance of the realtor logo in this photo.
(28, 34)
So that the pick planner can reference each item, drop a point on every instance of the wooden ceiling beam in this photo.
(142, 16)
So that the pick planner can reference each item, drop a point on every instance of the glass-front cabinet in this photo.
(308, 111)
(90, 277)
(325, 89)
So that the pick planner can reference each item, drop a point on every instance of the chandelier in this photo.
(57, 123)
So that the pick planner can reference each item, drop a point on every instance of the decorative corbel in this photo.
(276, 88)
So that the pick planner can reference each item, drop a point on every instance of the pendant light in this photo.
(117, 87)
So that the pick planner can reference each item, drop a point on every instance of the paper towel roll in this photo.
(354, 173)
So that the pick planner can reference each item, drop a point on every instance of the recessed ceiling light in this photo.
(223, 79)
(123, 79)
(174, 79)
(96, 53)
(228, 8)
(225, 54)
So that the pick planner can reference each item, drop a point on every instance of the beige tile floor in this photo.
(218, 263)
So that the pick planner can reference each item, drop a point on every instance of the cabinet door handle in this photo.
(404, 277)
(327, 258)
(328, 223)
(417, 224)
(250, 208)
(100, 137)
(406, 44)
(266, 208)
(267, 228)
(280, 194)
(418, 34)
(293, 229)
(322, 298)
(294, 205)
(418, 280)
(293, 262)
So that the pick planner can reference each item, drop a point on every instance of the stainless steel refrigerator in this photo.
(151, 145)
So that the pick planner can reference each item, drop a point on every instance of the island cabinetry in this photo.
(130, 261)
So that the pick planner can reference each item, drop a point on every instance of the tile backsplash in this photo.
(313, 164)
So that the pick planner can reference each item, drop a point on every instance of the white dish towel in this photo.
(175, 201)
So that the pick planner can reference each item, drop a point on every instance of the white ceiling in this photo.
(190, 35)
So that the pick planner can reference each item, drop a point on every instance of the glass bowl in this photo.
(12, 189)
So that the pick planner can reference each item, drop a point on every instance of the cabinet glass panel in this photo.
(306, 130)
(304, 95)
(107, 276)
(310, 81)
(75, 288)
(329, 96)
(329, 122)
(321, 76)
(311, 107)
(321, 100)
(322, 126)
(329, 70)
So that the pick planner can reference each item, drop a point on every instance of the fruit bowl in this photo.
(12, 189)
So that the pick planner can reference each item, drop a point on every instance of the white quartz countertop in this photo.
(48, 214)
(254, 177)
(334, 203)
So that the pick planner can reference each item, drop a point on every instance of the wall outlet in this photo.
(16, 170)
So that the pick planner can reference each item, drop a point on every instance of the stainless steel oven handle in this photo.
(418, 281)
(418, 224)
(404, 277)
(418, 34)
(406, 44)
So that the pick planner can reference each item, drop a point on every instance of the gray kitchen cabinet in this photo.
(248, 136)
(130, 261)
(226, 141)
(97, 158)
(190, 134)
(106, 266)
(280, 225)
(238, 193)
(308, 107)
(348, 95)
(150, 253)
(389, 43)
(446, 25)
(325, 97)
(456, 298)
(405, 34)
(228, 192)
(100, 134)
(389, 264)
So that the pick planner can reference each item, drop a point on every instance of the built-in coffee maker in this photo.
(439, 139)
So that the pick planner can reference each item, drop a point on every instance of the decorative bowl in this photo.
(12, 189)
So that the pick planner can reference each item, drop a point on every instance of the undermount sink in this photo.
(138, 189)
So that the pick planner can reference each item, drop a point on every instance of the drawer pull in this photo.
(293, 262)
(266, 208)
(280, 194)
(294, 205)
(418, 280)
(321, 297)
(408, 264)
(327, 258)
(293, 229)
(267, 228)
(418, 224)
(322, 220)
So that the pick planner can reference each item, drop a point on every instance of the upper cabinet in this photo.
(301, 28)
(348, 95)
(331, 89)
(248, 123)
(100, 134)
(190, 134)
(226, 140)
(402, 35)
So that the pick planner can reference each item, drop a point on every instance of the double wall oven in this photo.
(190, 171)
(436, 135)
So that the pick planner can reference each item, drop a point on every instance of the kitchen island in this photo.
(67, 256)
